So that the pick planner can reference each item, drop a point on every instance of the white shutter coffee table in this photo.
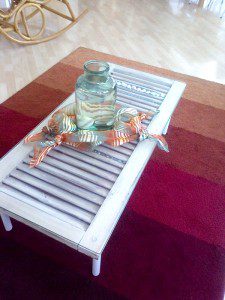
(77, 197)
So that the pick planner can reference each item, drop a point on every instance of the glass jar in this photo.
(95, 97)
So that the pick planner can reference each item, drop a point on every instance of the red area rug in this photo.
(169, 243)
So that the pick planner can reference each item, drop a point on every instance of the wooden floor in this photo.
(170, 34)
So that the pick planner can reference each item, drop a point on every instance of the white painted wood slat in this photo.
(137, 76)
(95, 159)
(72, 170)
(83, 165)
(70, 183)
(128, 146)
(74, 175)
(53, 201)
(143, 99)
(113, 153)
(123, 150)
(10, 188)
(139, 106)
(127, 103)
(55, 190)
(156, 89)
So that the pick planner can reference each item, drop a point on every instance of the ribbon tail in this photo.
(163, 145)
(84, 146)
(161, 142)
(118, 141)
(34, 137)
(39, 155)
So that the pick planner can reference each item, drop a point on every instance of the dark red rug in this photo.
(175, 217)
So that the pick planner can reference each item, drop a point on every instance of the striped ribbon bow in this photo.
(62, 129)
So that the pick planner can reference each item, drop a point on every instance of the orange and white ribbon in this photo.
(62, 129)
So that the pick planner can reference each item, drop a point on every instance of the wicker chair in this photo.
(14, 15)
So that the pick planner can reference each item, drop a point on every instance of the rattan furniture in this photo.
(16, 20)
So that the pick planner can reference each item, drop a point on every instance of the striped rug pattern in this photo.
(169, 242)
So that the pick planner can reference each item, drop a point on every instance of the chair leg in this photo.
(221, 7)
(96, 266)
(6, 222)
(166, 127)
(209, 5)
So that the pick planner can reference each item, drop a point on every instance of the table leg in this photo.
(201, 3)
(221, 13)
(96, 266)
(6, 222)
